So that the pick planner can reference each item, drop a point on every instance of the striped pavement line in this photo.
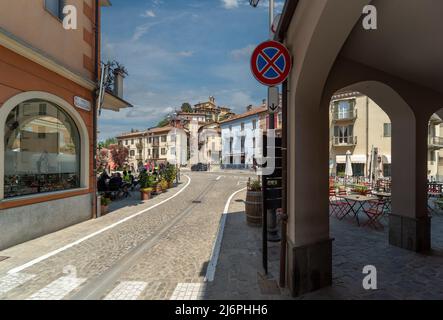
(57, 289)
(127, 290)
(12, 281)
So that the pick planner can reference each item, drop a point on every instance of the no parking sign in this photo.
(271, 63)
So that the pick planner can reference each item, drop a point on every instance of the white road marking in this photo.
(127, 290)
(57, 289)
(12, 281)
(218, 178)
(68, 246)
(189, 291)
(210, 272)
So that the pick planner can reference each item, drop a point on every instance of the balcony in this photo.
(347, 115)
(435, 143)
(344, 141)
(435, 120)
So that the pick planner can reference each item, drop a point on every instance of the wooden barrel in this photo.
(253, 207)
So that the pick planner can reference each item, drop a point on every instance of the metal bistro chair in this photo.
(335, 205)
(375, 212)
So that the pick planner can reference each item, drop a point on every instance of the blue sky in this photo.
(181, 51)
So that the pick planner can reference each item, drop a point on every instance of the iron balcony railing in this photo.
(344, 115)
(344, 141)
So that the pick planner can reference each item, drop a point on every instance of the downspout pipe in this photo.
(95, 96)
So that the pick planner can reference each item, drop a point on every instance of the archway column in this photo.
(309, 250)
(409, 222)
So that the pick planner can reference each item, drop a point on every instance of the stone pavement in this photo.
(401, 274)
(144, 257)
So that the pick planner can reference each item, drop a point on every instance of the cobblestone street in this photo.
(161, 249)
(138, 251)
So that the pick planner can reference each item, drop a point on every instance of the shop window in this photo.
(387, 170)
(42, 150)
(358, 169)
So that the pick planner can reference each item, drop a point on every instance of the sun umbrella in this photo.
(348, 168)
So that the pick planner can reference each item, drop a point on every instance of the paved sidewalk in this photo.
(401, 274)
(239, 273)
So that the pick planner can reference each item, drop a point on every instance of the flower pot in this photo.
(145, 195)
(171, 184)
(104, 210)
(158, 189)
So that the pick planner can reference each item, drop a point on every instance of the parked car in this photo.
(199, 167)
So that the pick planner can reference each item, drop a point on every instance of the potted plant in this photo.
(170, 175)
(361, 190)
(145, 193)
(104, 205)
(254, 203)
(146, 183)
(163, 184)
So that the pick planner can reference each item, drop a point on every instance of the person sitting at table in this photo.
(116, 182)
(101, 182)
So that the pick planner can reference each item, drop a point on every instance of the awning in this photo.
(386, 159)
(357, 158)
(114, 103)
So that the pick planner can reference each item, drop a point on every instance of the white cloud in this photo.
(148, 14)
(230, 4)
(243, 53)
(185, 54)
(141, 30)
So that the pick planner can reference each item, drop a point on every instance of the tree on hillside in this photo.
(186, 107)
(119, 155)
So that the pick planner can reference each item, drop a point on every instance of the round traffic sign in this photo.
(271, 63)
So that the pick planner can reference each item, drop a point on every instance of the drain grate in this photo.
(3, 258)
(196, 201)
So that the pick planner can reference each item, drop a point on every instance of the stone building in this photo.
(359, 125)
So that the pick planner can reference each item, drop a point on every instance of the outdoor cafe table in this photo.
(358, 201)
(386, 196)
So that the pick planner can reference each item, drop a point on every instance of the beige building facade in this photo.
(357, 124)
(163, 144)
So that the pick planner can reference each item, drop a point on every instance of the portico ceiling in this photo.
(408, 42)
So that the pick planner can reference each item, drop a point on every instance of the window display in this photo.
(42, 150)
